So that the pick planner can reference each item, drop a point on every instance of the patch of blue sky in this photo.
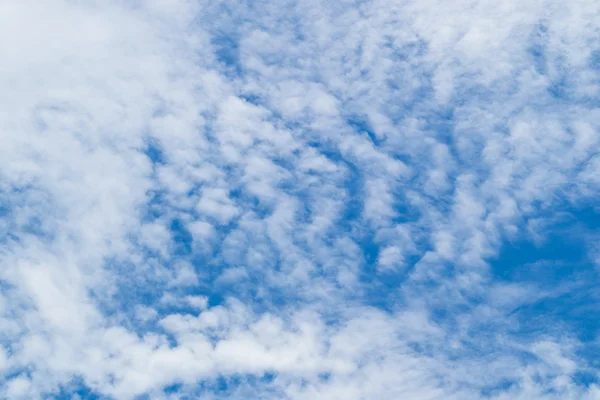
(561, 269)
(594, 60)
(154, 152)
(538, 48)
(17, 221)
(497, 388)
(222, 385)
(362, 126)
(227, 52)
(76, 389)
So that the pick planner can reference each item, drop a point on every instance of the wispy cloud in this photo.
(299, 200)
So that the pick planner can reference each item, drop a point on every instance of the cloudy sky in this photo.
(300, 199)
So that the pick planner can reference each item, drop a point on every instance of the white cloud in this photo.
(351, 136)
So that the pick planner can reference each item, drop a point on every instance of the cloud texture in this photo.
(299, 200)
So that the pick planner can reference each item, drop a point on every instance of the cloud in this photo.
(298, 200)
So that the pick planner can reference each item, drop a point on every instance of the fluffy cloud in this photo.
(299, 200)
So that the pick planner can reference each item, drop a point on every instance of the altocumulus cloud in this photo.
(299, 199)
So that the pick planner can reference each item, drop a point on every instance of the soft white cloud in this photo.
(300, 199)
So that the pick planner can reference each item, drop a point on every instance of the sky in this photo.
(303, 200)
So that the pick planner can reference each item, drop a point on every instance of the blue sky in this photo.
(299, 200)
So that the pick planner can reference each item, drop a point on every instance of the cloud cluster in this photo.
(299, 200)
